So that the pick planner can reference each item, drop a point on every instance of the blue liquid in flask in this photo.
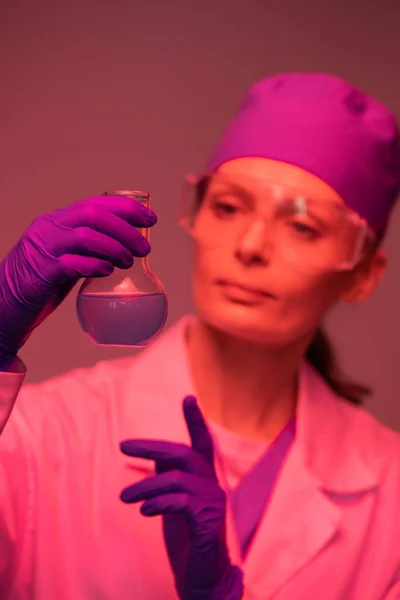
(113, 319)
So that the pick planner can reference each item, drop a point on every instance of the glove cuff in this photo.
(231, 587)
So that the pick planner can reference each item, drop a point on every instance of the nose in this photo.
(252, 245)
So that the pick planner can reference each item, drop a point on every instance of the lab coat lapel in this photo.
(302, 519)
(298, 523)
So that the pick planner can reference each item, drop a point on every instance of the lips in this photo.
(239, 289)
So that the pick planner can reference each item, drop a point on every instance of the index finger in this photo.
(157, 450)
(129, 209)
(198, 430)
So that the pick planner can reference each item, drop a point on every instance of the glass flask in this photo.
(128, 307)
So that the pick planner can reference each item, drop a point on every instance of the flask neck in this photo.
(141, 264)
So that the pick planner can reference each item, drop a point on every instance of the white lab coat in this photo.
(331, 531)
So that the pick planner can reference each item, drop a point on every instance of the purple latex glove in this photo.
(186, 492)
(86, 239)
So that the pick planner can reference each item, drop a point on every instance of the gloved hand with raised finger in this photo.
(87, 239)
(186, 492)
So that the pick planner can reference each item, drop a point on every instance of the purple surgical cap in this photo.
(324, 125)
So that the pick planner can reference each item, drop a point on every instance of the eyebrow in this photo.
(229, 187)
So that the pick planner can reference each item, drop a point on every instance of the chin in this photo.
(247, 324)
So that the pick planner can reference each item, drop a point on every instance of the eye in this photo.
(304, 230)
(225, 205)
(225, 209)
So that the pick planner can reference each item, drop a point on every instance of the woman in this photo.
(279, 487)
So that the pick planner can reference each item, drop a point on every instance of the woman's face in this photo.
(246, 287)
